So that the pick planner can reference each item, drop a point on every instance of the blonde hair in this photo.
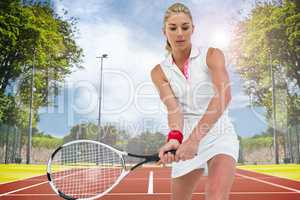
(175, 9)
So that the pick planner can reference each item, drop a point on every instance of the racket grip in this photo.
(156, 158)
(173, 151)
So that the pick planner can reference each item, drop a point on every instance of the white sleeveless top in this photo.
(194, 95)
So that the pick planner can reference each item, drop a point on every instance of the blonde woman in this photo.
(193, 84)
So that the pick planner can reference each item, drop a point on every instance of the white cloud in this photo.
(127, 67)
(132, 52)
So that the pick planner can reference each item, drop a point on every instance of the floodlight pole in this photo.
(100, 94)
(29, 143)
(275, 144)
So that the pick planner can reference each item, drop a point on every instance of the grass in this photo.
(290, 171)
(13, 172)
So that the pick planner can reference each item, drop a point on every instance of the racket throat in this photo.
(139, 164)
(65, 196)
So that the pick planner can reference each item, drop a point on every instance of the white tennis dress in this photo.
(194, 95)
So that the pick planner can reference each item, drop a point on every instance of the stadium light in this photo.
(29, 142)
(100, 93)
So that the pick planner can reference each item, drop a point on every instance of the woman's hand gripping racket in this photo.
(85, 169)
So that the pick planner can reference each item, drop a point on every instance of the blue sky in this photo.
(130, 32)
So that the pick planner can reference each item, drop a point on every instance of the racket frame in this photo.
(123, 174)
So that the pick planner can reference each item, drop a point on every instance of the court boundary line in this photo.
(270, 175)
(10, 193)
(30, 186)
(129, 178)
(150, 183)
(34, 185)
(40, 183)
(160, 193)
(269, 183)
(24, 188)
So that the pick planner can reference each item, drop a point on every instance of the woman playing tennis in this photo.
(193, 84)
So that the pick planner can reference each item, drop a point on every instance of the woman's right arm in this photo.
(175, 118)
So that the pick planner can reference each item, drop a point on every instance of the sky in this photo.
(130, 32)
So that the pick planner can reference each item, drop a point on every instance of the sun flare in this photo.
(221, 39)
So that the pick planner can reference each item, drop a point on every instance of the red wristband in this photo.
(175, 134)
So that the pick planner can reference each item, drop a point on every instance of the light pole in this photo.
(100, 94)
(275, 144)
(29, 143)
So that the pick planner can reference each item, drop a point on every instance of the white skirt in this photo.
(221, 139)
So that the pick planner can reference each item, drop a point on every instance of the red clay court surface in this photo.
(247, 186)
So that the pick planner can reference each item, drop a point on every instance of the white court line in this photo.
(24, 188)
(162, 193)
(236, 178)
(269, 183)
(30, 186)
(272, 176)
(243, 176)
(150, 184)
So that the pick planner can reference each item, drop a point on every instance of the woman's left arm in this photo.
(218, 103)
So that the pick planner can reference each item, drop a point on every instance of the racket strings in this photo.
(84, 170)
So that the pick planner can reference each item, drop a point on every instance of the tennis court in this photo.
(154, 183)
(96, 70)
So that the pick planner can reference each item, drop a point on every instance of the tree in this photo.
(270, 37)
(146, 143)
(32, 34)
(270, 30)
(108, 134)
(82, 131)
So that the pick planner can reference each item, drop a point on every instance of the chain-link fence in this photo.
(292, 144)
(10, 144)
(13, 146)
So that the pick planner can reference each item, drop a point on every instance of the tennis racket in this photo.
(86, 169)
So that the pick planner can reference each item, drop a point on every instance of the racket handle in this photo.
(150, 158)
(173, 151)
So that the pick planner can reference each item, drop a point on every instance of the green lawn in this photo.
(290, 171)
(12, 172)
